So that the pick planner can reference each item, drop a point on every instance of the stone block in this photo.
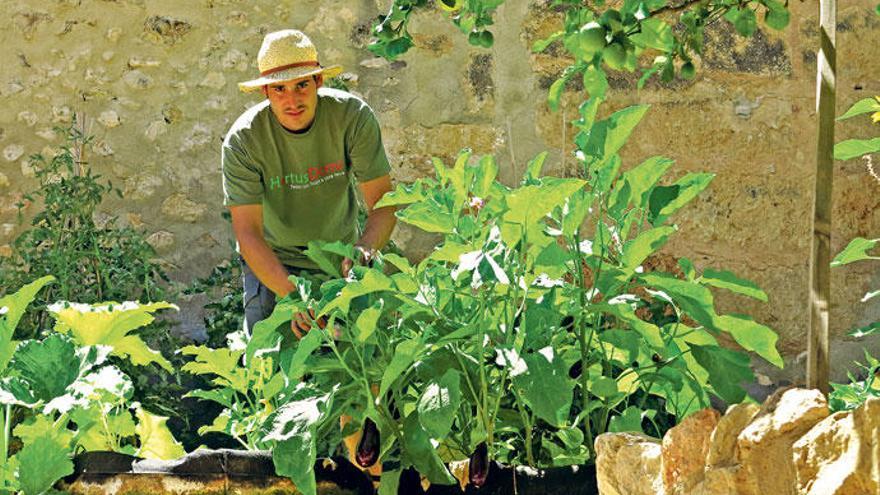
(629, 464)
(841, 454)
(765, 445)
(684, 450)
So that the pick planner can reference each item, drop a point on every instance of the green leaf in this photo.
(48, 366)
(306, 346)
(603, 387)
(596, 83)
(608, 136)
(870, 329)
(328, 264)
(366, 321)
(752, 336)
(534, 168)
(404, 356)
(777, 16)
(406, 194)
(544, 385)
(629, 420)
(389, 482)
(266, 338)
(15, 391)
(41, 464)
(529, 205)
(853, 148)
(637, 250)
(684, 190)
(293, 428)
(428, 218)
(856, 250)
(110, 324)
(438, 404)
(156, 440)
(43, 426)
(746, 22)
(865, 105)
(555, 93)
(648, 331)
(727, 371)
(640, 181)
(222, 362)
(12, 308)
(727, 280)
(692, 298)
(542, 44)
(656, 34)
(400, 263)
(419, 450)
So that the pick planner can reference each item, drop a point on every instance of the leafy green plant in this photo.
(60, 395)
(90, 262)
(529, 329)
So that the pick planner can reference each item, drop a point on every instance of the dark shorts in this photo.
(259, 300)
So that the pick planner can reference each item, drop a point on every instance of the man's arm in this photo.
(247, 225)
(380, 222)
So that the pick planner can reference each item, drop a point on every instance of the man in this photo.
(287, 168)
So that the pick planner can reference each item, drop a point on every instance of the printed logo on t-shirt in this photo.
(313, 177)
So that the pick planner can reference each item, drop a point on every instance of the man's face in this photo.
(294, 102)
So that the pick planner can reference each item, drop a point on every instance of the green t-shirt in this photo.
(304, 181)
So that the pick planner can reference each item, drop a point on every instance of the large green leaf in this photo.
(649, 332)
(726, 280)
(222, 362)
(110, 324)
(856, 250)
(48, 366)
(97, 431)
(542, 381)
(629, 420)
(372, 281)
(439, 402)
(777, 16)
(42, 425)
(608, 136)
(656, 34)
(16, 391)
(665, 201)
(366, 321)
(428, 218)
(266, 338)
(529, 205)
(405, 194)
(637, 250)
(293, 429)
(156, 440)
(727, 371)
(41, 464)
(419, 450)
(12, 308)
(854, 148)
(752, 336)
(691, 297)
(637, 183)
(404, 355)
(306, 346)
(865, 105)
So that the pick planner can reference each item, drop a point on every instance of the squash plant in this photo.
(533, 327)
(59, 394)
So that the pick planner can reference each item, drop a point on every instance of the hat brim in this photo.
(289, 75)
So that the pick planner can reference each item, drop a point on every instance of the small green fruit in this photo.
(591, 38)
(615, 56)
(688, 71)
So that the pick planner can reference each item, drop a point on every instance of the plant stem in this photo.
(6, 419)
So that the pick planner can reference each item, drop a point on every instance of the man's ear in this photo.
(319, 80)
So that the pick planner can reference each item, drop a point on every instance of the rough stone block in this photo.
(684, 450)
(628, 464)
(841, 454)
(765, 445)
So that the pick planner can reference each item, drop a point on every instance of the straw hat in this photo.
(284, 56)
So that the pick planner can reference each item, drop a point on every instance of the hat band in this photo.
(290, 66)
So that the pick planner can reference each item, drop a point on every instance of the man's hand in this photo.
(302, 322)
(366, 258)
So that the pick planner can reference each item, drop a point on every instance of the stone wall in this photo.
(789, 445)
(157, 79)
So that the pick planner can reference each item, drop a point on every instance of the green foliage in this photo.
(91, 262)
(60, 394)
(861, 387)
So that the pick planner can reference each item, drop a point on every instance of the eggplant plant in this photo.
(535, 324)
(60, 395)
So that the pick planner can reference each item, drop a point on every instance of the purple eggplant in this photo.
(478, 467)
(368, 446)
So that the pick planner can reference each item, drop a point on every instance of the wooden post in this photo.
(820, 260)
